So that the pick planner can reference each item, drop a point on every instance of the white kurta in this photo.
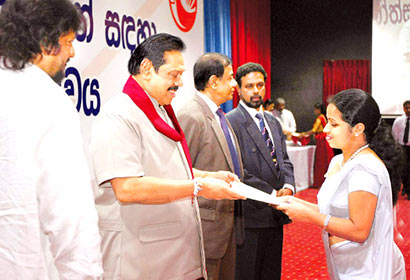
(286, 119)
(378, 257)
(45, 187)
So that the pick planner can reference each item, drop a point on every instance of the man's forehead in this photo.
(173, 61)
(253, 76)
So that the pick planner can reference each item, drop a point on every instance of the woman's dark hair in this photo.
(358, 106)
(28, 26)
(207, 65)
(247, 68)
(321, 107)
(153, 48)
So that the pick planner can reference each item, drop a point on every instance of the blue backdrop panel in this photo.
(217, 27)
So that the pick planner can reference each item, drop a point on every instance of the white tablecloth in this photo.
(302, 158)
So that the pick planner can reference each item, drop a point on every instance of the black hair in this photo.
(29, 26)
(247, 68)
(407, 102)
(267, 102)
(153, 48)
(321, 107)
(207, 65)
(358, 106)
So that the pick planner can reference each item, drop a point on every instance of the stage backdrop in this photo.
(391, 54)
(114, 29)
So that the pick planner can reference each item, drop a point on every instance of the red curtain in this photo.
(343, 74)
(250, 27)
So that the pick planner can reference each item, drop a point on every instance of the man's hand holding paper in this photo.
(255, 194)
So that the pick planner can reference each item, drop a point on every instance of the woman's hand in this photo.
(294, 208)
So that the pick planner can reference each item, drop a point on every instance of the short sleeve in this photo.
(362, 180)
(115, 148)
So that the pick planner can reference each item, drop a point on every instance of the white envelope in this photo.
(255, 194)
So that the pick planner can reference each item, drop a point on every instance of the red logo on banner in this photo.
(183, 13)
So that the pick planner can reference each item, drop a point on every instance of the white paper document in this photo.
(255, 194)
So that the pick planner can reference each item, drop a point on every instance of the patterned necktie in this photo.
(266, 137)
(231, 147)
(406, 131)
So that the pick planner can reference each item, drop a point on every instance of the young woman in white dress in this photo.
(355, 203)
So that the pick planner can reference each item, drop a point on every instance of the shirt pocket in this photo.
(153, 233)
(208, 214)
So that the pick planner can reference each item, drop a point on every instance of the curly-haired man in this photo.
(45, 187)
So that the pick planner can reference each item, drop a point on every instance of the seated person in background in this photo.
(285, 117)
(268, 105)
(323, 153)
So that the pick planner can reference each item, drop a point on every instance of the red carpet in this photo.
(303, 252)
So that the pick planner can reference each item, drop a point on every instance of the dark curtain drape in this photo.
(250, 25)
(343, 74)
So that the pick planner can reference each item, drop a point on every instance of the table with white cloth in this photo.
(302, 158)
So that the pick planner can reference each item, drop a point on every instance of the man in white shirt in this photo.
(401, 134)
(285, 117)
(45, 186)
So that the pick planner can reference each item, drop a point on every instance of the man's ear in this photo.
(146, 68)
(213, 82)
(238, 90)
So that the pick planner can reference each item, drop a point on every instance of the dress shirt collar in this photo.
(154, 101)
(252, 111)
(160, 110)
(211, 104)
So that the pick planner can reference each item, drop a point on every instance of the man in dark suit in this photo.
(213, 146)
(266, 167)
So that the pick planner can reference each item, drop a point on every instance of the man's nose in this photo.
(255, 89)
(179, 82)
(72, 52)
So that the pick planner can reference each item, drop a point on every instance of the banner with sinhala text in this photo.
(391, 54)
(113, 30)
